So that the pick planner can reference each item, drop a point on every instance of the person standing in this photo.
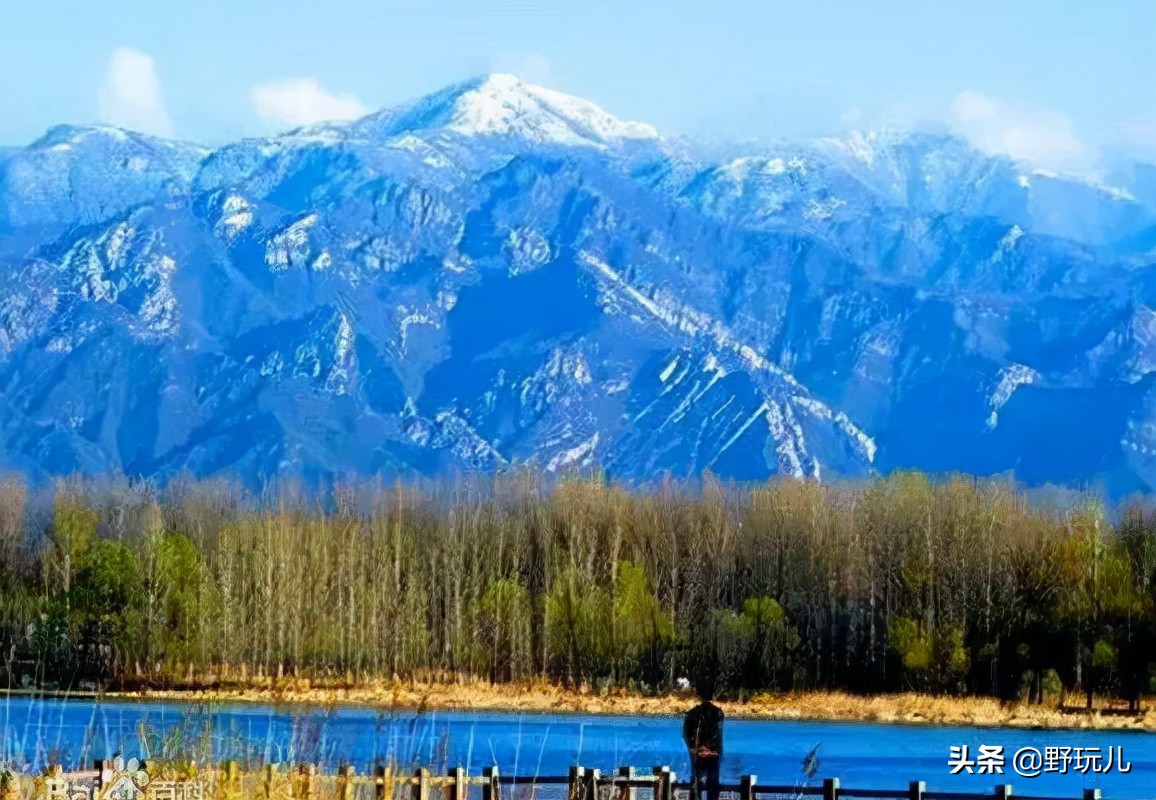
(702, 732)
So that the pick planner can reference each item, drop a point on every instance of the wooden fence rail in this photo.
(114, 780)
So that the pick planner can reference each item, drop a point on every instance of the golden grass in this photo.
(544, 697)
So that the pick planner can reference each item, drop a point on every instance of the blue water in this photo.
(77, 731)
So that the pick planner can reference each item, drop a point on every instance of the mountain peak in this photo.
(97, 141)
(504, 105)
(62, 137)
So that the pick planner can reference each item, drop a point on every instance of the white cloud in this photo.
(530, 67)
(1039, 137)
(303, 101)
(973, 107)
(131, 94)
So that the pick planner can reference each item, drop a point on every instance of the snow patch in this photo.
(290, 247)
(711, 364)
(236, 216)
(341, 373)
(418, 146)
(822, 211)
(1010, 379)
(159, 311)
(447, 299)
(583, 453)
(570, 365)
(861, 146)
(272, 365)
(115, 243)
(617, 386)
(1014, 234)
(411, 316)
(787, 435)
(307, 360)
(323, 262)
(743, 428)
(864, 444)
(526, 250)
(687, 320)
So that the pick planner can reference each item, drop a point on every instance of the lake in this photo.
(861, 755)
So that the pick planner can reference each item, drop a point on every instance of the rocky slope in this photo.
(499, 274)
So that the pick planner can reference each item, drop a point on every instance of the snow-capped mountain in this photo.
(83, 175)
(504, 106)
(499, 274)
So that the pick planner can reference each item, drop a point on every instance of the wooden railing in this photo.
(110, 778)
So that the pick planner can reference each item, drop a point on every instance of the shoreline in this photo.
(892, 709)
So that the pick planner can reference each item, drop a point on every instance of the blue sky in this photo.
(1048, 81)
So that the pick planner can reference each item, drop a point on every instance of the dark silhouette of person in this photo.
(702, 732)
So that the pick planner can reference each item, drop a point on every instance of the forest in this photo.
(951, 586)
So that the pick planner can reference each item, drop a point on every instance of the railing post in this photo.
(459, 790)
(1003, 791)
(311, 777)
(306, 778)
(491, 789)
(420, 790)
(577, 777)
(379, 782)
(747, 787)
(1092, 794)
(225, 779)
(593, 777)
(104, 774)
(270, 776)
(831, 789)
(627, 792)
(345, 783)
(54, 782)
(232, 778)
(915, 790)
(665, 788)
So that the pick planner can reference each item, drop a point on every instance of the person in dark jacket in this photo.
(702, 732)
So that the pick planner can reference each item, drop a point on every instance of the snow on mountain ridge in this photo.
(500, 274)
(504, 105)
(791, 441)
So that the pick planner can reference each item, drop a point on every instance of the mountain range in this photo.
(500, 275)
